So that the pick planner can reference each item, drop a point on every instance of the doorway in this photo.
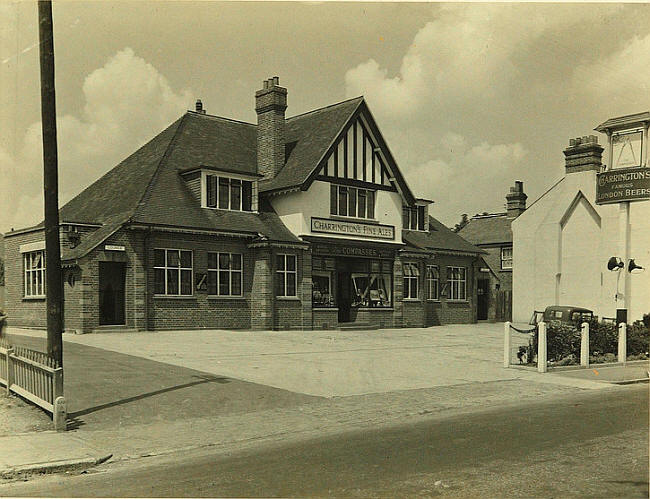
(483, 299)
(344, 296)
(112, 277)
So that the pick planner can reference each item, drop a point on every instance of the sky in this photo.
(470, 97)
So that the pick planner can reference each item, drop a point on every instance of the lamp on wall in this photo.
(615, 264)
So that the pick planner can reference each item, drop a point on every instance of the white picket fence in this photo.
(30, 374)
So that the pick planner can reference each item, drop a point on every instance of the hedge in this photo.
(563, 342)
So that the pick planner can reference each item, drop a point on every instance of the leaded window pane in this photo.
(186, 282)
(172, 282)
(236, 283)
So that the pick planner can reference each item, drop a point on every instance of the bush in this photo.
(563, 342)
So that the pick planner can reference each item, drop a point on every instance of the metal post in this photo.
(622, 342)
(53, 276)
(541, 348)
(584, 345)
(506, 344)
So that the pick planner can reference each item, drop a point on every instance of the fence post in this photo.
(541, 348)
(506, 344)
(57, 382)
(584, 345)
(10, 369)
(622, 342)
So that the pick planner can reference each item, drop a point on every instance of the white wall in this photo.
(296, 209)
(561, 249)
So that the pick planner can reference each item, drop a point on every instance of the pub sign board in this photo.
(630, 184)
(355, 229)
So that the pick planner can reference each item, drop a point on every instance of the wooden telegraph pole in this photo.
(53, 275)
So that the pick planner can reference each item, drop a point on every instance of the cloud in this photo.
(127, 102)
(482, 173)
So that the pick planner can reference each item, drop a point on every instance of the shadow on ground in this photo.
(106, 389)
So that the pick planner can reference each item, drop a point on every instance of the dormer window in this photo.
(414, 217)
(227, 193)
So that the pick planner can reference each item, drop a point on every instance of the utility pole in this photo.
(53, 275)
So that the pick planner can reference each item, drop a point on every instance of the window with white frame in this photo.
(506, 257)
(352, 202)
(457, 279)
(34, 264)
(413, 218)
(227, 193)
(173, 272)
(433, 282)
(411, 281)
(286, 275)
(225, 274)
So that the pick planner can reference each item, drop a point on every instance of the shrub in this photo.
(563, 342)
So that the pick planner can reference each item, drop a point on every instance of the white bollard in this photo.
(60, 414)
(506, 344)
(541, 348)
(622, 342)
(584, 345)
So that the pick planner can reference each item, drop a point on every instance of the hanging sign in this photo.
(630, 184)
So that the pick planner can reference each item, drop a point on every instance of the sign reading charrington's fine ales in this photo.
(615, 186)
(352, 228)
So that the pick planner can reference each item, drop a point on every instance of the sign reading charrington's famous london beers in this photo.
(614, 186)
(352, 228)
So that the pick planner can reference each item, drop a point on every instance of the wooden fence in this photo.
(31, 374)
(503, 305)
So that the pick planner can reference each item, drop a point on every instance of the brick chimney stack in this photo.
(516, 200)
(584, 154)
(270, 105)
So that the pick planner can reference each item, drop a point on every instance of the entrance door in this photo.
(344, 296)
(483, 301)
(112, 276)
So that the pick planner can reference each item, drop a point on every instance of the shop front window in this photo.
(322, 289)
(373, 287)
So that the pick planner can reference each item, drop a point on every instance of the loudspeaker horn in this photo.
(631, 266)
(615, 263)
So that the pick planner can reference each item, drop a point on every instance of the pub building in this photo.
(302, 222)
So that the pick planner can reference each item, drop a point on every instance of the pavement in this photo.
(133, 395)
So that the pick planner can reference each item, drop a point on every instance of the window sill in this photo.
(34, 298)
(343, 218)
(433, 300)
(287, 298)
(325, 309)
(174, 297)
(226, 297)
(458, 301)
(506, 270)
(372, 309)
(411, 299)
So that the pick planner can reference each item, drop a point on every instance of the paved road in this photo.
(594, 444)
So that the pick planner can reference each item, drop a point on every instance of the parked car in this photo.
(563, 314)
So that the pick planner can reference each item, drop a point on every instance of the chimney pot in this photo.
(199, 106)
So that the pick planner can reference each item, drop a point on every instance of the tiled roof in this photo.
(439, 238)
(492, 229)
(312, 134)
